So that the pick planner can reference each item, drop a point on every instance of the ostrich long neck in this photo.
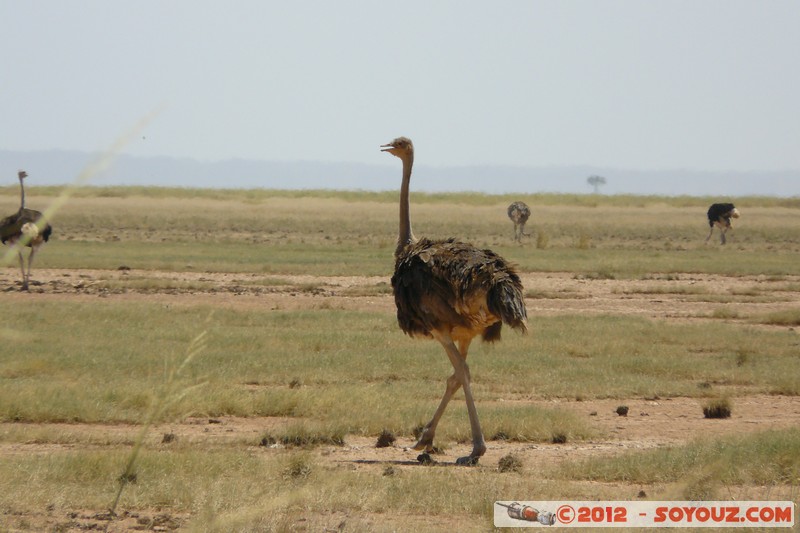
(406, 236)
(21, 195)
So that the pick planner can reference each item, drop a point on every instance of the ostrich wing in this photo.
(453, 285)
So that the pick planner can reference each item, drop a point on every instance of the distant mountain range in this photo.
(55, 167)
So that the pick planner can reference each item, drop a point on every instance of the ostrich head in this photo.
(401, 147)
(22, 175)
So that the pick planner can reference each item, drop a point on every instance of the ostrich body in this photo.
(26, 228)
(452, 292)
(720, 215)
(519, 212)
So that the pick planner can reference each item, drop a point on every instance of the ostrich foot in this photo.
(425, 459)
(478, 449)
(469, 460)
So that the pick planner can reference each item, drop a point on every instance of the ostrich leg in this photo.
(425, 442)
(22, 268)
(462, 375)
(30, 262)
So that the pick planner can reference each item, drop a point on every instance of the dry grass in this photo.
(327, 233)
(764, 458)
(332, 374)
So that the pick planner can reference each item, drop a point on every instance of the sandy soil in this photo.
(650, 422)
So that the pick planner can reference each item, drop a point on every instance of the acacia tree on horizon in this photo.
(596, 181)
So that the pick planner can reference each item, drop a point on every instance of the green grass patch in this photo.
(725, 313)
(341, 232)
(305, 435)
(222, 489)
(104, 361)
(766, 458)
(789, 317)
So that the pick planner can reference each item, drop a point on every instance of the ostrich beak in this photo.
(392, 149)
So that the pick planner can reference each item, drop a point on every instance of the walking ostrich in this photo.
(519, 212)
(720, 215)
(452, 292)
(24, 227)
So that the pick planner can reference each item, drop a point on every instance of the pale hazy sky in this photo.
(695, 84)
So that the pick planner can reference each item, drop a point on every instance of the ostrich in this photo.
(24, 228)
(519, 212)
(720, 215)
(451, 291)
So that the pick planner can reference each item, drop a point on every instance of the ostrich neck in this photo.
(21, 195)
(406, 236)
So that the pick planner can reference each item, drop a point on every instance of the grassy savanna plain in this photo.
(272, 423)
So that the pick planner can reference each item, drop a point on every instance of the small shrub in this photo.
(622, 410)
(299, 467)
(717, 408)
(385, 439)
(559, 438)
(509, 463)
(724, 313)
(500, 435)
(741, 358)
(303, 438)
(600, 275)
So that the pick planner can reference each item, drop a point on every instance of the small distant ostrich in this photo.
(519, 212)
(720, 215)
(25, 225)
(452, 292)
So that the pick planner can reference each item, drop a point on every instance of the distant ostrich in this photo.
(519, 212)
(25, 226)
(452, 292)
(720, 215)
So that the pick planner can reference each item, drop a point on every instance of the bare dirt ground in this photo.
(650, 422)
(684, 296)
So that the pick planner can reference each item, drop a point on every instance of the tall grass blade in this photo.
(169, 394)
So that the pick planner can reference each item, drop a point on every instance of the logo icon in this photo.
(518, 511)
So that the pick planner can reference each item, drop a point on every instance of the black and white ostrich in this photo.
(720, 215)
(27, 228)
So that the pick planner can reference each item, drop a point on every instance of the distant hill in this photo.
(55, 167)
